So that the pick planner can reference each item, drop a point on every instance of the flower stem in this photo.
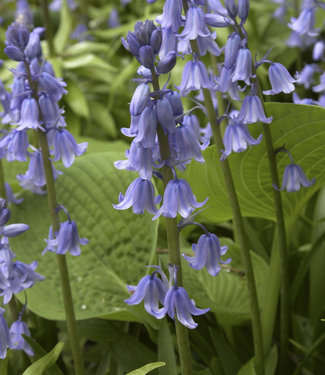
(12, 304)
(282, 244)
(173, 246)
(238, 221)
(48, 27)
(61, 259)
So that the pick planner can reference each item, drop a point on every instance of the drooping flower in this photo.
(17, 341)
(252, 111)
(152, 291)
(141, 196)
(66, 239)
(207, 254)
(236, 138)
(281, 80)
(243, 69)
(195, 24)
(194, 77)
(178, 198)
(4, 336)
(304, 24)
(293, 178)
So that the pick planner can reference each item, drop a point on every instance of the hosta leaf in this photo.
(301, 129)
(120, 243)
(226, 294)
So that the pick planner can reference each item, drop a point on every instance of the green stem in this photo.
(282, 243)
(61, 259)
(48, 27)
(238, 222)
(173, 247)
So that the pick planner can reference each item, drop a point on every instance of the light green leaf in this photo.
(121, 244)
(166, 350)
(100, 114)
(76, 100)
(301, 129)
(38, 367)
(86, 47)
(88, 60)
(147, 368)
(226, 294)
(63, 34)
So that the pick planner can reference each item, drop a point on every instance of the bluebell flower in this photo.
(13, 230)
(152, 291)
(167, 63)
(231, 8)
(231, 49)
(49, 109)
(237, 138)
(56, 5)
(139, 99)
(318, 50)
(165, 115)
(171, 17)
(147, 57)
(14, 145)
(66, 148)
(306, 77)
(281, 80)
(29, 115)
(51, 85)
(304, 24)
(113, 19)
(175, 102)
(252, 111)
(23, 14)
(243, 69)
(305, 101)
(33, 49)
(177, 301)
(194, 77)
(66, 239)
(11, 197)
(195, 24)
(178, 198)
(4, 337)
(321, 86)
(169, 42)
(17, 35)
(147, 127)
(17, 341)
(35, 172)
(207, 254)
(293, 178)
(141, 196)
(216, 20)
(243, 9)
(224, 81)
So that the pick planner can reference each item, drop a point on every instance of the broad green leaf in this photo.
(45, 362)
(121, 244)
(147, 368)
(88, 60)
(226, 294)
(301, 129)
(76, 100)
(100, 115)
(270, 364)
(63, 34)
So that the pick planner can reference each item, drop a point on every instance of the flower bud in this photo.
(243, 8)
(14, 53)
(147, 57)
(155, 40)
(167, 63)
(165, 115)
(139, 99)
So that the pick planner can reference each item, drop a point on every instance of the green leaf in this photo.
(86, 47)
(63, 34)
(88, 60)
(121, 244)
(100, 115)
(301, 129)
(147, 368)
(226, 294)
(38, 367)
(270, 364)
(76, 100)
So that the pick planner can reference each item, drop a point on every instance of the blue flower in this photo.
(243, 69)
(139, 99)
(207, 254)
(4, 336)
(178, 198)
(29, 115)
(152, 291)
(237, 138)
(67, 239)
(281, 80)
(66, 148)
(15, 145)
(17, 341)
(304, 24)
(195, 24)
(252, 111)
(171, 17)
(147, 128)
(141, 196)
(177, 301)
(293, 178)
(231, 49)
(194, 77)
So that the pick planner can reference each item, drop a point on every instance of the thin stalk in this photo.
(48, 27)
(13, 303)
(242, 240)
(61, 259)
(282, 243)
(173, 247)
